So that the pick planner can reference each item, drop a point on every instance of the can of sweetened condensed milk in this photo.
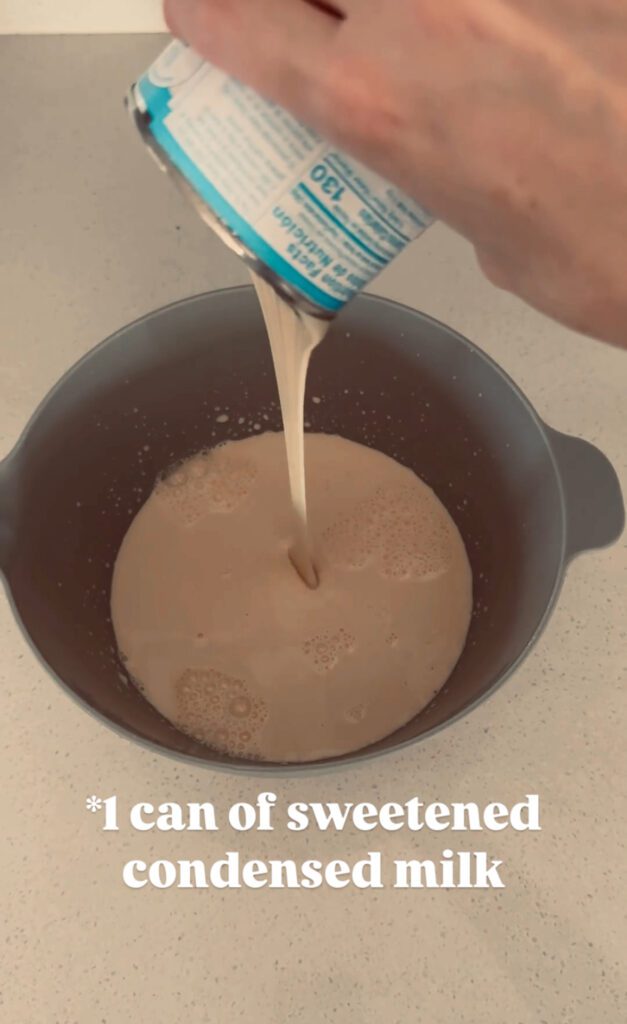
(312, 221)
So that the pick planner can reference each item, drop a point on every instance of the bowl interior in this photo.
(386, 376)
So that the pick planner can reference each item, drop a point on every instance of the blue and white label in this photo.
(316, 217)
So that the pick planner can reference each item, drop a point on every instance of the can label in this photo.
(315, 218)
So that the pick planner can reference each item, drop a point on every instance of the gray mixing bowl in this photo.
(526, 498)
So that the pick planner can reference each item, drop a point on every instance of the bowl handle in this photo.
(595, 515)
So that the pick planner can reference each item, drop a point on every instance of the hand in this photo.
(507, 118)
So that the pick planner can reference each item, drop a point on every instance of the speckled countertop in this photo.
(84, 249)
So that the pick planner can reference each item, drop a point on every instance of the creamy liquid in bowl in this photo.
(225, 639)
(284, 623)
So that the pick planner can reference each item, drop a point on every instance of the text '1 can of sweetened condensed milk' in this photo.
(314, 222)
